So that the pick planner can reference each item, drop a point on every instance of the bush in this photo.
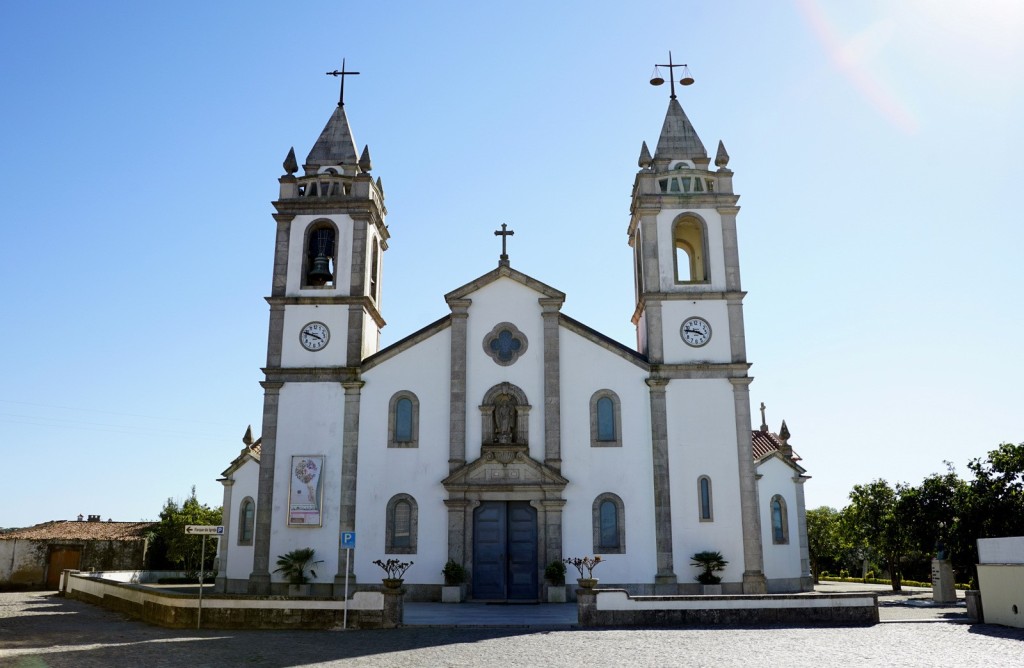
(555, 572)
(454, 573)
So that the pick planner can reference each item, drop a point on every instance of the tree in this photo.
(932, 521)
(876, 515)
(171, 547)
(824, 539)
(992, 504)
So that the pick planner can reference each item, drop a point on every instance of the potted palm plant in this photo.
(711, 562)
(294, 565)
(454, 589)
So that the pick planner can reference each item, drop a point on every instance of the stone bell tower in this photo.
(324, 320)
(689, 320)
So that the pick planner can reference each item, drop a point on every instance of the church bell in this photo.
(321, 271)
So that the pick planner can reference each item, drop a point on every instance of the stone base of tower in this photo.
(754, 583)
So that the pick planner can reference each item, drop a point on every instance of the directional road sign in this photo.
(204, 530)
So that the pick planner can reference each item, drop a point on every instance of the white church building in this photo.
(507, 435)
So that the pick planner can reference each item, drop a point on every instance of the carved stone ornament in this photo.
(505, 344)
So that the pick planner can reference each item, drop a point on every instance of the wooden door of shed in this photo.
(61, 558)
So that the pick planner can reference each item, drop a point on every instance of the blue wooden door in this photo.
(505, 551)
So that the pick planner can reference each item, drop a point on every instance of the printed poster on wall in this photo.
(305, 495)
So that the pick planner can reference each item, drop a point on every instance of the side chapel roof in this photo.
(67, 530)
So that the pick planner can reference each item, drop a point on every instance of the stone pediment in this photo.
(505, 467)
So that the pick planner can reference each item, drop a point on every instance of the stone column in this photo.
(357, 288)
(737, 332)
(259, 579)
(457, 509)
(730, 247)
(394, 608)
(552, 530)
(750, 518)
(552, 385)
(457, 417)
(806, 577)
(349, 471)
(279, 285)
(665, 577)
(224, 544)
(652, 286)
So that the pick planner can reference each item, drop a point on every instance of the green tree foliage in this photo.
(171, 548)
(825, 540)
(993, 503)
(877, 516)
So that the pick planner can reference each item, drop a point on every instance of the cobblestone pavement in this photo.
(40, 629)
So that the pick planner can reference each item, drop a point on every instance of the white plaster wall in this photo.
(780, 561)
(246, 485)
(505, 300)
(333, 354)
(674, 312)
(310, 422)
(702, 441)
(625, 471)
(384, 472)
(666, 248)
(371, 337)
(1001, 550)
(22, 561)
(296, 248)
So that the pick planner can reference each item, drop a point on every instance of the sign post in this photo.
(204, 531)
(348, 542)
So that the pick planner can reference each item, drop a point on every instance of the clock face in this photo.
(314, 336)
(695, 332)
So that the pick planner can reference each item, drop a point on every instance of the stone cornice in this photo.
(332, 300)
(735, 372)
(335, 374)
(504, 271)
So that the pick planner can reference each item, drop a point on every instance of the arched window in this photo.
(609, 525)
(780, 523)
(375, 273)
(605, 418)
(689, 242)
(401, 525)
(704, 499)
(246, 521)
(320, 257)
(403, 420)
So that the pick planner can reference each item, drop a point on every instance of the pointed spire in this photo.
(364, 161)
(722, 157)
(645, 160)
(678, 140)
(247, 439)
(380, 187)
(784, 432)
(290, 165)
(335, 145)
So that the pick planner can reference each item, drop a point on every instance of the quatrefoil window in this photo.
(505, 344)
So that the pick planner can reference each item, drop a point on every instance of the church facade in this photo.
(507, 435)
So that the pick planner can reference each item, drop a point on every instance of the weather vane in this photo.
(657, 79)
(342, 73)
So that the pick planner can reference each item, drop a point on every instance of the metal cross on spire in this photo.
(341, 73)
(504, 233)
(657, 80)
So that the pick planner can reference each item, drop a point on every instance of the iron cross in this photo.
(341, 73)
(504, 234)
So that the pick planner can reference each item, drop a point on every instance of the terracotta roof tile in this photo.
(65, 530)
(765, 443)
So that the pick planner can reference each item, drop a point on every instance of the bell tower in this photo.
(689, 322)
(324, 321)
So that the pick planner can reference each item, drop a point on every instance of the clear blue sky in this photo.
(876, 147)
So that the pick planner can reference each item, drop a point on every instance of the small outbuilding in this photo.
(33, 557)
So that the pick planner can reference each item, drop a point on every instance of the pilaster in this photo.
(349, 469)
(737, 332)
(284, 229)
(259, 579)
(457, 416)
(806, 578)
(662, 495)
(750, 519)
(224, 544)
(552, 530)
(457, 509)
(552, 384)
(730, 246)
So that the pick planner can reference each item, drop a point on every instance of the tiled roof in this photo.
(765, 443)
(66, 530)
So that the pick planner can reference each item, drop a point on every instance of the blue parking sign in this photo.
(348, 540)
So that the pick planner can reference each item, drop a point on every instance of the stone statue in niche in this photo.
(504, 419)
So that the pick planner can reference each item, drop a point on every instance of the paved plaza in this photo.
(40, 629)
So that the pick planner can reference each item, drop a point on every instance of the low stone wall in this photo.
(366, 610)
(615, 607)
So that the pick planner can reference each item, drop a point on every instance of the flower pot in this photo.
(556, 593)
(453, 593)
(297, 591)
(712, 590)
(392, 584)
(587, 583)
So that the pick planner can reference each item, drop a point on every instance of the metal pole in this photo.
(202, 560)
(344, 618)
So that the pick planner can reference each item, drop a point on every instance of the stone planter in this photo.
(392, 585)
(299, 591)
(587, 583)
(556, 593)
(453, 593)
(711, 590)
